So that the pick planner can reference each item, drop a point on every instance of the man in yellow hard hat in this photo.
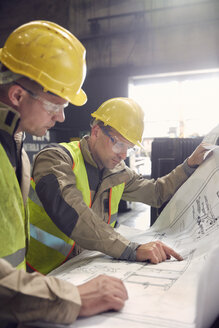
(42, 68)
(80, 184)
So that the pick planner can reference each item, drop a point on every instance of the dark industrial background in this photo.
(123, 38)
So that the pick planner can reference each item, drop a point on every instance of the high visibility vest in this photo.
(49, 246)
(14, 223)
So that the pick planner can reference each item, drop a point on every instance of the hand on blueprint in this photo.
(198, 156)
(101, 294)
(156, 252)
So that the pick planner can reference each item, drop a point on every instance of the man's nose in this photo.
(60, 116)
(123, 155)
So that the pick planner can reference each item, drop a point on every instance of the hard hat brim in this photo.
(0, 54)
(80, 99)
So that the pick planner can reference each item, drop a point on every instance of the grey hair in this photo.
(95, 122)
(7, 76)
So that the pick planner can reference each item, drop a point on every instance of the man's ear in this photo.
(95, 130)
(15, 94)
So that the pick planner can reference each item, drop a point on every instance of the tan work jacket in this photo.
(56, 189)
(23, 296)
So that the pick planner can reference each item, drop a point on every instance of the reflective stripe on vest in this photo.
(45, 253)
(16, 258)
(33, 195)
(50, 240)
(12, 214)
(49, 246)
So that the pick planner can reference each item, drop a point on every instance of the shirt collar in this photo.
(9, 118)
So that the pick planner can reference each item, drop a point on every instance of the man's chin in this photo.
(113, 165)
(38, 133)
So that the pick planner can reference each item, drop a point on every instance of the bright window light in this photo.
(178, 108)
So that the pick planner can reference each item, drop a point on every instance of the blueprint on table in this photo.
(170, 294)
(212, 136)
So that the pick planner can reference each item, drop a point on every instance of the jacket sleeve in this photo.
(63, 202)
(155, 192)
(28, 297)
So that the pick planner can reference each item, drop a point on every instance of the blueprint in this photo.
(212, 136)
(170, 294)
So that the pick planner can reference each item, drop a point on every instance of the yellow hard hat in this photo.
(125, 116)
(50, 55)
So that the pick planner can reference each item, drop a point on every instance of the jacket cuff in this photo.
(129, 253)
(187, 169)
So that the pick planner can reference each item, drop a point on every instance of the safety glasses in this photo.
(117, 145)
(50, 107)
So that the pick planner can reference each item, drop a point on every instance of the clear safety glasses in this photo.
(117, 145)
(50, 107)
